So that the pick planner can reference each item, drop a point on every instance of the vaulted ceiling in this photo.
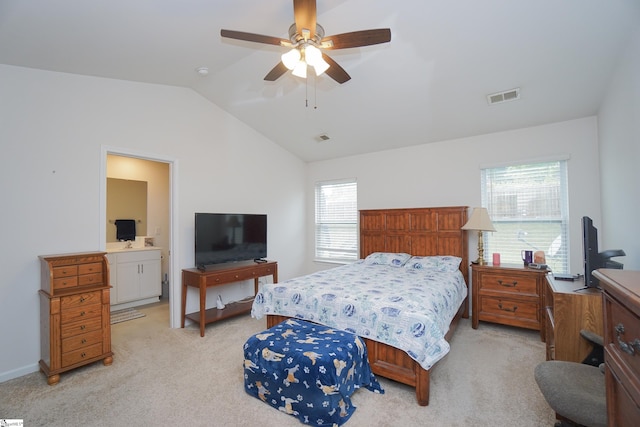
(430, 83)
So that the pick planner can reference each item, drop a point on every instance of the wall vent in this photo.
(505, 96)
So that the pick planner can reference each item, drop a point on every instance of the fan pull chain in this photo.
(315, 92)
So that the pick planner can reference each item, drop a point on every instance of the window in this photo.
(337, 220)
(528, 205)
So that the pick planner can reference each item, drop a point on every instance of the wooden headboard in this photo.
(416, 231)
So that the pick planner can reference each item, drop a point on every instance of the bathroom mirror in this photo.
(126, 199)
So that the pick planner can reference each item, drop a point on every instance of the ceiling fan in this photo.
(307, 40)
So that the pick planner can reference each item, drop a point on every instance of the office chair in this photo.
(576, 391)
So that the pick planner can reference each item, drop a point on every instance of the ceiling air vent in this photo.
(507, 95)
(323, 137)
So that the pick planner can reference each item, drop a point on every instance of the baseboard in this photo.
(133, 304)
(25, 370)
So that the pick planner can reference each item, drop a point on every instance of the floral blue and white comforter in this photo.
(407, 308)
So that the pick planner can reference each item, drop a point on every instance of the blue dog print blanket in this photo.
(308, 371)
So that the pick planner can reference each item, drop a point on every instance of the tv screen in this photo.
(221, 238)
(590, 252)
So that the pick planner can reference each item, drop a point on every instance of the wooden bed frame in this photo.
(420, 232)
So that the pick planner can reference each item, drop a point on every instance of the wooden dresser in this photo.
(621, 345)
(75, 320)
(569, 308)
(509, 295)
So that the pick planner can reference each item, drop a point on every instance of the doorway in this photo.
(159, 175)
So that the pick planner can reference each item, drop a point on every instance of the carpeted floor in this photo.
(164, 376)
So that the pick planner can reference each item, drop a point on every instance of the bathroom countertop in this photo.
(134, 249)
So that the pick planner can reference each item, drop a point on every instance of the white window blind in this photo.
(528, 205)
(337, 220)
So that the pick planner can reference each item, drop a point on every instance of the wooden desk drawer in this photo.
(81, 341)
(94, 267)
(65, 271)
(508, 308)
(511, 283)
(624, 336)
(81, 327)
(80, 313)
(65, 282)
(81, 354)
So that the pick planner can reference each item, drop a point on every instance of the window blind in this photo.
(528, 205)
(336, 220)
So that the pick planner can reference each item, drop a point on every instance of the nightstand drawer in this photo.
(511, 283)
(491, 307)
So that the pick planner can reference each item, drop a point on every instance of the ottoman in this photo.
(308, 371)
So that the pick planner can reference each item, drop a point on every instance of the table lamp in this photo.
(479, 221)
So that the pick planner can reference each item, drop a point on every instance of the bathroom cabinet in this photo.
(136, 276)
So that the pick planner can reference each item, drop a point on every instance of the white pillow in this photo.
(434, 263)
(387, 258)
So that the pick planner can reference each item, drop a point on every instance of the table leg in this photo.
(184, 301)
(203, 304)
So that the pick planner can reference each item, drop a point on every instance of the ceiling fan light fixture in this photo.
(291, 58)
(300, 70)
(320, 66)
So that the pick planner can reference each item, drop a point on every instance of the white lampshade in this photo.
(312, 55)
(320, 66)
(291, 58)
(479, 221)
(300, 70)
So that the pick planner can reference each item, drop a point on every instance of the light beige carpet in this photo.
(162, 376)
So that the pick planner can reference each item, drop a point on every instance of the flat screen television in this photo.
(222, 238)
(593, 259)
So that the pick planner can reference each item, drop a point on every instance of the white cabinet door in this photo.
(150, 280)
(138, 276)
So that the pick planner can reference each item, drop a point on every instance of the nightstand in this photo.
(508, 294)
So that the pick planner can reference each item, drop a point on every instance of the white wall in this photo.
(448, 173)
(53, 129)
(619, 127)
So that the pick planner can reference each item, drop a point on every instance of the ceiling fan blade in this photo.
(335, 71)
(276, 72)
(358, 38)
(304, 13)
(250, 37)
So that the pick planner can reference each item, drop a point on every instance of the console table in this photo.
(222, 274)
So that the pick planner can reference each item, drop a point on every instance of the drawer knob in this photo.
(83, 327)
(83, 355)
(511, 310)
(84, 341)
(508, 285)
(81, 299)
(82, 313)
(628, 347)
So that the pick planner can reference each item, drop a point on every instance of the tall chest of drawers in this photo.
(75, 320)
(621, 345)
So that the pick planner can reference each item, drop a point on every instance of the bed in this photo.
(419, 232)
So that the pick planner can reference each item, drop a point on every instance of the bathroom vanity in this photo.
(136, 277)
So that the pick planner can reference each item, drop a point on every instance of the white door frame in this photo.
(174, 276)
